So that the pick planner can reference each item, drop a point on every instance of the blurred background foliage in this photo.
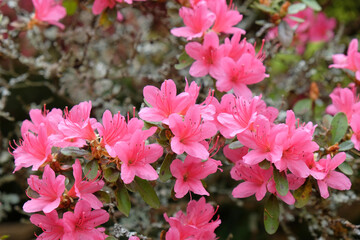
(108, 62)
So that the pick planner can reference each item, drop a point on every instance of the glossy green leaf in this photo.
(282, 184)
(111, 174)
(165, 173)
(91, 169)
(346, 168)
(339, 126)
(110, 238)
(147, 192)
(265, 164)
(295, 8)
(312, 4)
(303, 106)
(184, 61)
(302, 194)
(271, 215)
(74, 152)
(103, 196)
(345, 146)
(123, 202)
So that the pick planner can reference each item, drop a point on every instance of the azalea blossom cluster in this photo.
(311, 28)
(346, 100)
(234, 64)
(351, 61)
(52, 11)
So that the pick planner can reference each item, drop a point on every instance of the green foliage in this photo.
(271, 214)
(91, 169)
(302, 194)
(147, 192)
(282, 184)
(123, 202)
(339, 126)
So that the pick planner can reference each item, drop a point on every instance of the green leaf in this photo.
(184, 61)
(123, 202)
(295, 8)
(263, 8)
(235, 145)
(74, 152)
(264, 164)
(111, 174)
(297, 19)
(345, 146)
(103, 196)
(91, 169)
(70, 6)
(286, 33)
(302, 194)
(271, 215)
(346, 168)
(339, 126)
(110, 238)
(165, 173)
(303, 106)
(312, 4)
(147, 192)
(282, 184)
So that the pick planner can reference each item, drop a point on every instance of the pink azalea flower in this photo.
(255, 180)
(241, 118)
(50, 190)
(226, 18)
(331, 178)
(49, 119)
(136, 157)
(51, 225)
(237, 75)
(266, 141)
(235, 155)
(208, 56)
(195, 224)
(164, 102)
(49, 11)
(34, 150)
(76, 127)
(235, 48)
(189, 133)
(197, 21)
(100, 5)
(350, 61)
(81, 224)
(355, 126)
(84, 189)
(344, 100)
(134, 238)
(113, 130)
(189, 173)
(297, 147)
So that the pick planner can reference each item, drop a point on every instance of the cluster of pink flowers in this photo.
(195, 224)
(100, 5)
(350, 61)
(234, 64)
(345, 100)
(314, 28)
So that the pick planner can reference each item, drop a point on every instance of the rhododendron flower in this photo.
(236, 48)
(81, 224)
(197, 21)
(265, 140)
(189, 173)
(50, 190)
(34, 150)
(164, 102)
(134, 238)
(297, 147)
(208, 56)
(50, 223)
(189, 133)
(235, 155)
(226, 18)
(237, 75)
(331, 178)
(355, 126)
(241, 118)
(344, 100)
(195, 224)
(350, 61)
(136, 157)
(49, 11)
(49, 119)
(255, 180)
(84, 189)
(76, 127)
